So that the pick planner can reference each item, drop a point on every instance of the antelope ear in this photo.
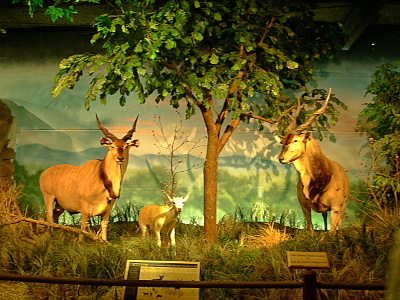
(134, 143)
(104, 141)
(278, 138)
(169, 198)
(187, 196)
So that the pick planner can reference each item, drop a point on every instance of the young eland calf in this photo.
(162, 218)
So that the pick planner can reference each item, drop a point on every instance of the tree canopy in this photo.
(203, 50)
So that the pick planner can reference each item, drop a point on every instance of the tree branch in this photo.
(234, 123)
(250, 115)
(115, 9)
(267, 30)
(232, 90)
(210, 100)
(19, 219)
(228, 133)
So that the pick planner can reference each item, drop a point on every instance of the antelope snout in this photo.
(120, 159)
(284, 161)
(179, 209)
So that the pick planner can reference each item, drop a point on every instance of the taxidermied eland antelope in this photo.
(162, 218)
(323, 184)
(92, 188)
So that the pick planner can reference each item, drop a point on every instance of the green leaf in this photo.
(138, 48)
(170, 44)
(198, 36)
(103, 99)
(54, 12)
(214, 59)
(60, 13)
(152, 54)
(141, 71)
(217, 16)
(122, 101)
(220, 93)
(95, 37)
(292, 65)
(87, 104)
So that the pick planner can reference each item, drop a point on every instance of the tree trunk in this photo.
(210, 175)
(210, 189)
(215, 143)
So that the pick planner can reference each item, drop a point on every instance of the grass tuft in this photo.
(267, 238)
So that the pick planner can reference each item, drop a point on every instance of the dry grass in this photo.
(267, 238)
(14, 291)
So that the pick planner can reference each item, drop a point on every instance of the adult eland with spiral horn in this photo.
(92, 188)
(323, 184)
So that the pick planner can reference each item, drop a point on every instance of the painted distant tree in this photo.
(216, 56)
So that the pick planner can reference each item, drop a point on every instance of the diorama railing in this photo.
(310, 284)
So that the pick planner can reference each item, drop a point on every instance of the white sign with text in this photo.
(307, 260)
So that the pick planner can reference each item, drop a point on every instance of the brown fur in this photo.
(90, 189)
(161, 218)
(323, 184)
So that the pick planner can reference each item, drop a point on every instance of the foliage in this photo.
(384, 110)
(382, 184)
(54, 11)
(383, 116)
(32, 198)
(202, 50)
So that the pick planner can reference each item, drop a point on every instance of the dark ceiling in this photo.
(355, 15)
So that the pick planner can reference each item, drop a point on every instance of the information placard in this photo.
(161, 270)
(307, 260)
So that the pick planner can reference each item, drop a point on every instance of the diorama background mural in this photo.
(54, 131)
